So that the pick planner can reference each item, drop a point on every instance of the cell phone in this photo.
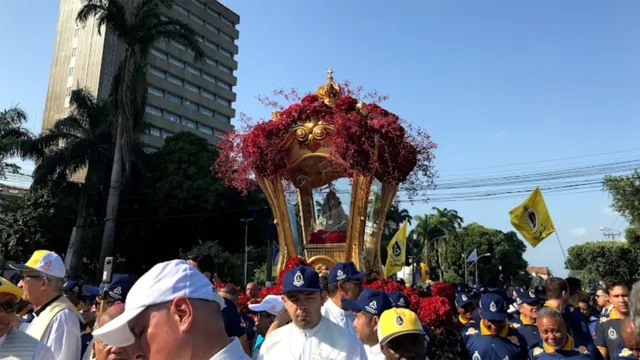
(107, 270)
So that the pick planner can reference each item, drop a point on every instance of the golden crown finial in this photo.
(330, 92)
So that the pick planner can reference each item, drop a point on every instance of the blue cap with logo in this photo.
(400, 300)
(463, 299)
(344, 271)
(71, 286)
(370, 301)
(540, 291)
(493, 307)
(118, 287)
(90, 293)
(526, 297)
(301, 278)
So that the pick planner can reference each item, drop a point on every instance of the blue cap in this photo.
(463, 288)
(118, 287)
(71, 286)
(372, 302)
(301, 278)
(463, 299)
(400, 300)
(493, 307)
(540, 291)
(526, 297)
(344, 271)
(480, 288)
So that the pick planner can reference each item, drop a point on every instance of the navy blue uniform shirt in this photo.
(569, 352)
(484, 346)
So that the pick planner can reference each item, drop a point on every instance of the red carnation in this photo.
(444, 290)
(270, 290)
(434, 311)
(290, 264)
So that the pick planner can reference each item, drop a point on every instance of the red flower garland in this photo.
(372, 141)
(434, 311)
(444, 290)
(327, 237)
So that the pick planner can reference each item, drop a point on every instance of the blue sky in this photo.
(494, 83)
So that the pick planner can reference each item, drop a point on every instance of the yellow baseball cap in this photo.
(7, 287)
(398, 321)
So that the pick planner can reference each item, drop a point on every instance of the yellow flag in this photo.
(396, 251)
(532, 219)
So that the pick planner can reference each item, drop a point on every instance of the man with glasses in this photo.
(15, 344)
(345, 282)
(605, 305)
(57, 322)
(267, 311)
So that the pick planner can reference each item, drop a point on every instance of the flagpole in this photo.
(561, 248)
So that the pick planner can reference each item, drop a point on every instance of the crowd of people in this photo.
(180, 310)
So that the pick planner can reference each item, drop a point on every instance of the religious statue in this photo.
(332, 216)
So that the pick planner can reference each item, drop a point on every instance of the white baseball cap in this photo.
(272, 304)
(164, 282)
(44, 261)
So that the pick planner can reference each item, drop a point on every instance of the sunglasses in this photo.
(9, 306)
(24, 277)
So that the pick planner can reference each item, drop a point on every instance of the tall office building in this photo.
(183, 95)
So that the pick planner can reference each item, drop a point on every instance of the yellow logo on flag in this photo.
(532, 219)
(396, 251)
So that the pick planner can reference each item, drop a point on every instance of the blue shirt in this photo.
(568, 351)
(528, 331)
(482, 345)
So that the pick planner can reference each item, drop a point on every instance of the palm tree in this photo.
(433, 229)
(82, 140)
(138, 31)
(12, 133)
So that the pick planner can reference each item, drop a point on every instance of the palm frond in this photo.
(174, 30)
(109, 13)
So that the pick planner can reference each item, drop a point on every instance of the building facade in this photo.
(183, 95)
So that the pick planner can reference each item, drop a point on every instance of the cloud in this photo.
(500, 134)
(579, 231)
(606, 210)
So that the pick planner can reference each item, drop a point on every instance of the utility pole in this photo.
(246, 222)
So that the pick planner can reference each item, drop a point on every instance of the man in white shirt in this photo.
(345, 282)
(172, 312)
(309, 335)
(15, 344)
(368, 309)
(57, 323)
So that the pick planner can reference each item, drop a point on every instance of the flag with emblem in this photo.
(396, 251)
(532, 219)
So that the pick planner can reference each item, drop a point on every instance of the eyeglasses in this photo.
(9, 306)
(24, 277)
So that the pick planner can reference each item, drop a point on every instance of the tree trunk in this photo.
(73, 257)
(113, 201)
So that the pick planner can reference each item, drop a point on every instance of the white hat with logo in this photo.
(44, 261)
(271, 303)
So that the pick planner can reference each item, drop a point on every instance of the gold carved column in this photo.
(274, 192)
(371, 258)
(357, 217)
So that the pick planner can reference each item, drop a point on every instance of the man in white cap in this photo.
(15, 344)
(172, 313)
(56, 322)
(309, 335)
(266, 310)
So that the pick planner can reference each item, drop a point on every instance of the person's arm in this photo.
(42, 352)
(281, 320)
(64, 336)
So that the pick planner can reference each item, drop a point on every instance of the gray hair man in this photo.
(57, 322)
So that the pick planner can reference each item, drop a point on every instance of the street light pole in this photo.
(481, 256)
(246, 222)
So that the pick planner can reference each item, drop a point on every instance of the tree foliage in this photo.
(12, 134)
(605, 260)
(624, 191)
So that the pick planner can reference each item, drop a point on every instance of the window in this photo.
(199, 3)
(188, 123)
(205, 129)
(223, 101)
(166, 133)
(178, 45)
(226, 21)
(176, 62)
(208, 95)
(74, 51)
(197, 19)
(224, 84)
(157, 72)
(193, 70)
(154, 131)
(172, 117)
(212, 12)
(159, 54)
(225, 52)
(219, 134)
(226, 36)
(190, 105)
(223, 118)
(76, 32)
(155, 91)
(211, 27)
(199, 38)
(71, 71)
(210, 44)
(225, 68)
(68, 90)
(192, 87)
(180, 9)
(175, 80)
(206, 111)
(153, 110)
(174, 98)
(210, 61)
(209, 77)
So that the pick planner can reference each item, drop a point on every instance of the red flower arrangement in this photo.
(367, 138)
(327, 237)
(444, 290)
(434, 311)
(243, 299)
